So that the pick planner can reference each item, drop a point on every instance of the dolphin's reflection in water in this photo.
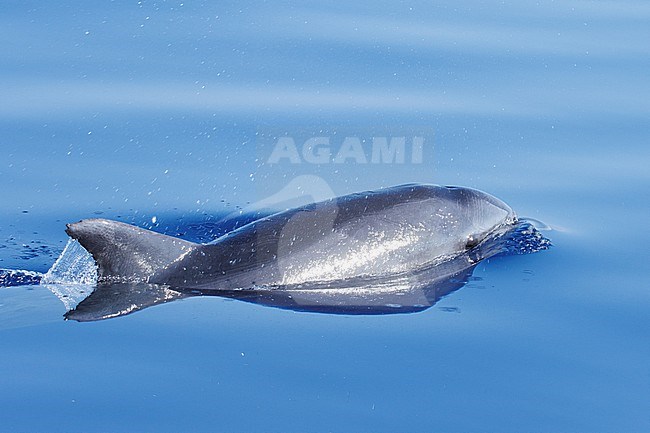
(405, 295)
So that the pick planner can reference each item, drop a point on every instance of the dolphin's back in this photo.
(369, 234)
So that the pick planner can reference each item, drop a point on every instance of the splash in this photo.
(525, 239)
(13, 277)
(74, 266)
(73, 275)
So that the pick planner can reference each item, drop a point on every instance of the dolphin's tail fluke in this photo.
(125, 253)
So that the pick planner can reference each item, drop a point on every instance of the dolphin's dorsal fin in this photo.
(125, 253)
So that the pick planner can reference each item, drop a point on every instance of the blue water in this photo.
(171, 110)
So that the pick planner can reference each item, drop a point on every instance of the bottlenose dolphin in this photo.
(354, 254)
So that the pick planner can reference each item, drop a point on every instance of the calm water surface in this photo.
(135, 110)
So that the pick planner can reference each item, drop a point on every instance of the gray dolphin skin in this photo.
(402, 239)
(370, 234)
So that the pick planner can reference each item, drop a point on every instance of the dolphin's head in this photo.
(476, 216)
